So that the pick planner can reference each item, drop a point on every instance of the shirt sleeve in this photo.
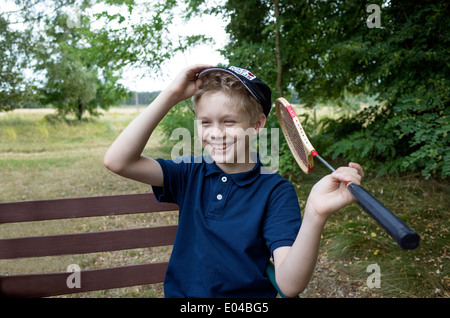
(283, 217)
(175, 173)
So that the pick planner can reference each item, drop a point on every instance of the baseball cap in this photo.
(254, 85)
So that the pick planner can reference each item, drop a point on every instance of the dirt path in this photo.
(328, 282)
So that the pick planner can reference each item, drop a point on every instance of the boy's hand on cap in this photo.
(186, 82)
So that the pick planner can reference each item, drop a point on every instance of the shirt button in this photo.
(219, 197)
(224, 179)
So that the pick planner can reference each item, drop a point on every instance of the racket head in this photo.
(293, 132)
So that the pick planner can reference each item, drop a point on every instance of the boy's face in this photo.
(224, 130)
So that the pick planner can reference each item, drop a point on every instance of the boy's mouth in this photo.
(219, 147)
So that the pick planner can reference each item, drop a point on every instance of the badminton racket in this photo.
(304, 153)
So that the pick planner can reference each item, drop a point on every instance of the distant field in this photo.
(44, 158)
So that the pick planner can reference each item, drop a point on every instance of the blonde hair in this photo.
(239, 96)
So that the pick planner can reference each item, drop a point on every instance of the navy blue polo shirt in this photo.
(228, 227)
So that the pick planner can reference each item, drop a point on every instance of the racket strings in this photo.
(293, 137)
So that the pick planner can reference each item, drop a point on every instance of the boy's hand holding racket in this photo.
(331, 194)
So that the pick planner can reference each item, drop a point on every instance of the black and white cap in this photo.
(254, 85)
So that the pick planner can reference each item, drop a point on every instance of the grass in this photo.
(353, 241)
(64, 161)
(45, 158)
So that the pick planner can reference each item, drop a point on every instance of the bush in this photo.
(410, 136)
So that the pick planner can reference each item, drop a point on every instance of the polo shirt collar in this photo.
(241, 178)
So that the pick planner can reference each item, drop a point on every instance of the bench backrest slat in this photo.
(44, 285)
(87, 242)
(26, 211)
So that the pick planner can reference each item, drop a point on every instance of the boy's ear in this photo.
(260, 123)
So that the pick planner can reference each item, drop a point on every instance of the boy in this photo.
(233, 215)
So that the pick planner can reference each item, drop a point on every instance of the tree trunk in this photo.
(279, 83)
(80, 110)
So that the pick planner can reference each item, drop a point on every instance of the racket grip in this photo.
(399, 231)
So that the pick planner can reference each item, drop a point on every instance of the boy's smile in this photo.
(223, 130)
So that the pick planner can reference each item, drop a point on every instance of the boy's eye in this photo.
(230, 121)
(205, 122)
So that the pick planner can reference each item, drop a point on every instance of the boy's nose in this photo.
(217, 134)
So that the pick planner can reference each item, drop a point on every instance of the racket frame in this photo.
(281, 104)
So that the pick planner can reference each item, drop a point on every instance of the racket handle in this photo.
(399, 231)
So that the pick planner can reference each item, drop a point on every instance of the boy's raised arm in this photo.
(124, 157)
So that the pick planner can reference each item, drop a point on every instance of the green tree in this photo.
(77, 78)
(14, 90)
(65, 41)
(406, 62)
(70, 87)
(328, 51)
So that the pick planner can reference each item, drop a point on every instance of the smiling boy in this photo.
(233, 214)
(227, 114)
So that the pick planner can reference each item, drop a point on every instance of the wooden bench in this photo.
(51, 284)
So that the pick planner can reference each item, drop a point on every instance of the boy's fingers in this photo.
(345, 174)
(193, 70)
(357, 167)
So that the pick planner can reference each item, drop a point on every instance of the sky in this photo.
(211, 26)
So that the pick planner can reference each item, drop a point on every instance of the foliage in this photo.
(14, 90)
(328, 55)
(405, 141)
(406, 63)
(329, 51)
(78, 51)
(70, 87)
(180, 116)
